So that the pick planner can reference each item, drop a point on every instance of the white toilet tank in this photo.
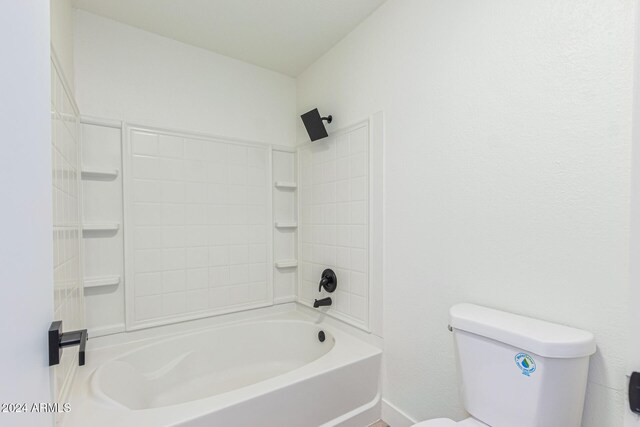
(520, 372)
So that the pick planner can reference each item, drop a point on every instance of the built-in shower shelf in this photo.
(96, 282)
(285, 185)
(289, 263)
(95, 173)
(101, 226)
(286, 224)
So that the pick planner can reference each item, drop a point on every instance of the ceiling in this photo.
(282, 35)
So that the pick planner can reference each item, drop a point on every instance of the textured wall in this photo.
(128, 74)
(508, 134)
(26, 306)
(631, 419)
(62, 37)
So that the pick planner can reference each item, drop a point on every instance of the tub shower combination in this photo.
(219, 327)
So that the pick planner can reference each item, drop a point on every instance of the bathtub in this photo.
(269, 371)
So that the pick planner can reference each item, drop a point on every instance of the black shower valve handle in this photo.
(329, 281)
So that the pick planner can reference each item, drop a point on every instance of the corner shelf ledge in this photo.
(99, 281)
(101, 226)
(284, 185)
(95, 173)
(290, 263)
(286, 224)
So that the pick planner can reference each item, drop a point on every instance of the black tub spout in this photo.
(324, 302)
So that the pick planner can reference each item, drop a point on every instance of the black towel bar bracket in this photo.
(59, 340)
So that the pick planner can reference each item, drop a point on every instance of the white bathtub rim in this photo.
(231, 397)
(362, 408)
(348, 350)
(197, 408)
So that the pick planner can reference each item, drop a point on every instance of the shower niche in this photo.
(103, 226)
(285, 229)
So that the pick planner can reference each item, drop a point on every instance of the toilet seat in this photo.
(446, 422)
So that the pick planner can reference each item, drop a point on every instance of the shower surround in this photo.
(214, 225)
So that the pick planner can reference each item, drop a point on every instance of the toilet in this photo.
(515, 371)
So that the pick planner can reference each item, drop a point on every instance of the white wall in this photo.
(507, 175)
(62, 37)
(634, 282)
(129, 74)
(26, 306)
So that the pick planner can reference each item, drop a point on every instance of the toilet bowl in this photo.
(516, 371)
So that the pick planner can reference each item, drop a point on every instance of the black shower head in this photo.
(313, 122)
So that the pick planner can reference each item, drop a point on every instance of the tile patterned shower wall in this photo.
(334, 176)
(199, 227)
(67, 274)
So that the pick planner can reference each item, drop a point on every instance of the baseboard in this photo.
(394, 416)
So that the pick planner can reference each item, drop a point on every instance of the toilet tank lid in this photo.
(536, 336)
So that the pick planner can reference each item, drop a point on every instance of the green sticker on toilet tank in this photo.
(526, 363)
